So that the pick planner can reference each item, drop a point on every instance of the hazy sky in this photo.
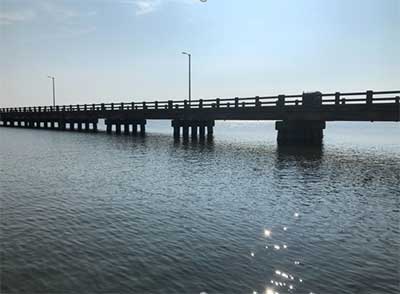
(128, 50)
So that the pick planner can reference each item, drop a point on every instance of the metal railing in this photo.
(359, 98)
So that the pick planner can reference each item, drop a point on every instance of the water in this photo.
(94, 213)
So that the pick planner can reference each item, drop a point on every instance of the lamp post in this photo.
(54, 89)
(190, 75)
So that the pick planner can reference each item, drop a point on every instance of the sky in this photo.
(131, 50)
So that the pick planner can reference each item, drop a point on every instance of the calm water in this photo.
(93, 213)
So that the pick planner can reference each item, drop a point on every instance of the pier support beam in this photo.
(302, 132)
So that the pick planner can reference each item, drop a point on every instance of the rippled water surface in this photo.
(94, 213)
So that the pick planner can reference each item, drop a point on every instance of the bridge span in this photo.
(300, 119)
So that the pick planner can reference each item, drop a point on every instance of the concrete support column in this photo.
(52, 124)
(202, 131)
(87, 126)
(38, 124)
(194, 131)
(118, 128)
(185, 131)
(177, 130)
(79, 126)
(210, 130)
(109, 127)
(134, 129)
(72, 126)
(94, 127)
(126, 128)
(301, 132)
(62, 125)
(142, 129)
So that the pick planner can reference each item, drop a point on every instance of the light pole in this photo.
(54, 89)
(190, 75)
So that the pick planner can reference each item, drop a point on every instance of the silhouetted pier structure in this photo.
(301, 119)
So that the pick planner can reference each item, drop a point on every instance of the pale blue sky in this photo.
(125, 50)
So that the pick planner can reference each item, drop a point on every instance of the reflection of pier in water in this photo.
(301, 119)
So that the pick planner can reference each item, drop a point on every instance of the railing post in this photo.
(122, 105)
(397, 100)
(337, 98)
(144, 105)
(133, 105)
(257, 101)
(170, 104)
(218, 102)
(77, 107)
(236, 102)
(84, 107)
(281, 101)
(370, 97)
(93, 107)
(70, 108)
(57, 108)
(185, 104)
(40, 108)
(201, 103)
(112, 106)
(156, 105)
(103, 107)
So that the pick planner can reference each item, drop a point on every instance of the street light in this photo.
(54, 89)
(190, 75)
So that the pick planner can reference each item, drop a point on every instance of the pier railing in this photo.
(351, 98)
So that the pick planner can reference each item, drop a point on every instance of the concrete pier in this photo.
(197, 128)
(300, 132)
(126, 126)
